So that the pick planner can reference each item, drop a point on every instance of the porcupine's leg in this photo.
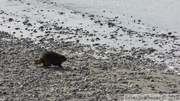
(46, 63)
(60, 64)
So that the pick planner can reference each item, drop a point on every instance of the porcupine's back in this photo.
(51, 58)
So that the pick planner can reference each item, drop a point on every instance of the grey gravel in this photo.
(89, 73)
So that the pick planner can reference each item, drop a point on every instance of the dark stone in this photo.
(10, 19)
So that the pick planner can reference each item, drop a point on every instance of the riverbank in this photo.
(90, 72)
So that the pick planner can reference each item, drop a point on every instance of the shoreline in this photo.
(120, 32)
(108, 54)
(88, 74)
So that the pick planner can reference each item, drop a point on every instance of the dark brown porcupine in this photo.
(51, 58)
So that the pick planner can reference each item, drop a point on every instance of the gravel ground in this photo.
(94, 71)
(90, 73)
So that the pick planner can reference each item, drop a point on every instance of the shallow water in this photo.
(161, 13)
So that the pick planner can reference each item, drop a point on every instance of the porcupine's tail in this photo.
(36, 62)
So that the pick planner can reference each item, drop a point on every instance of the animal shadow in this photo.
(56, 68)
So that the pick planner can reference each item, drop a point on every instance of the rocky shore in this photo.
(90, 73)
